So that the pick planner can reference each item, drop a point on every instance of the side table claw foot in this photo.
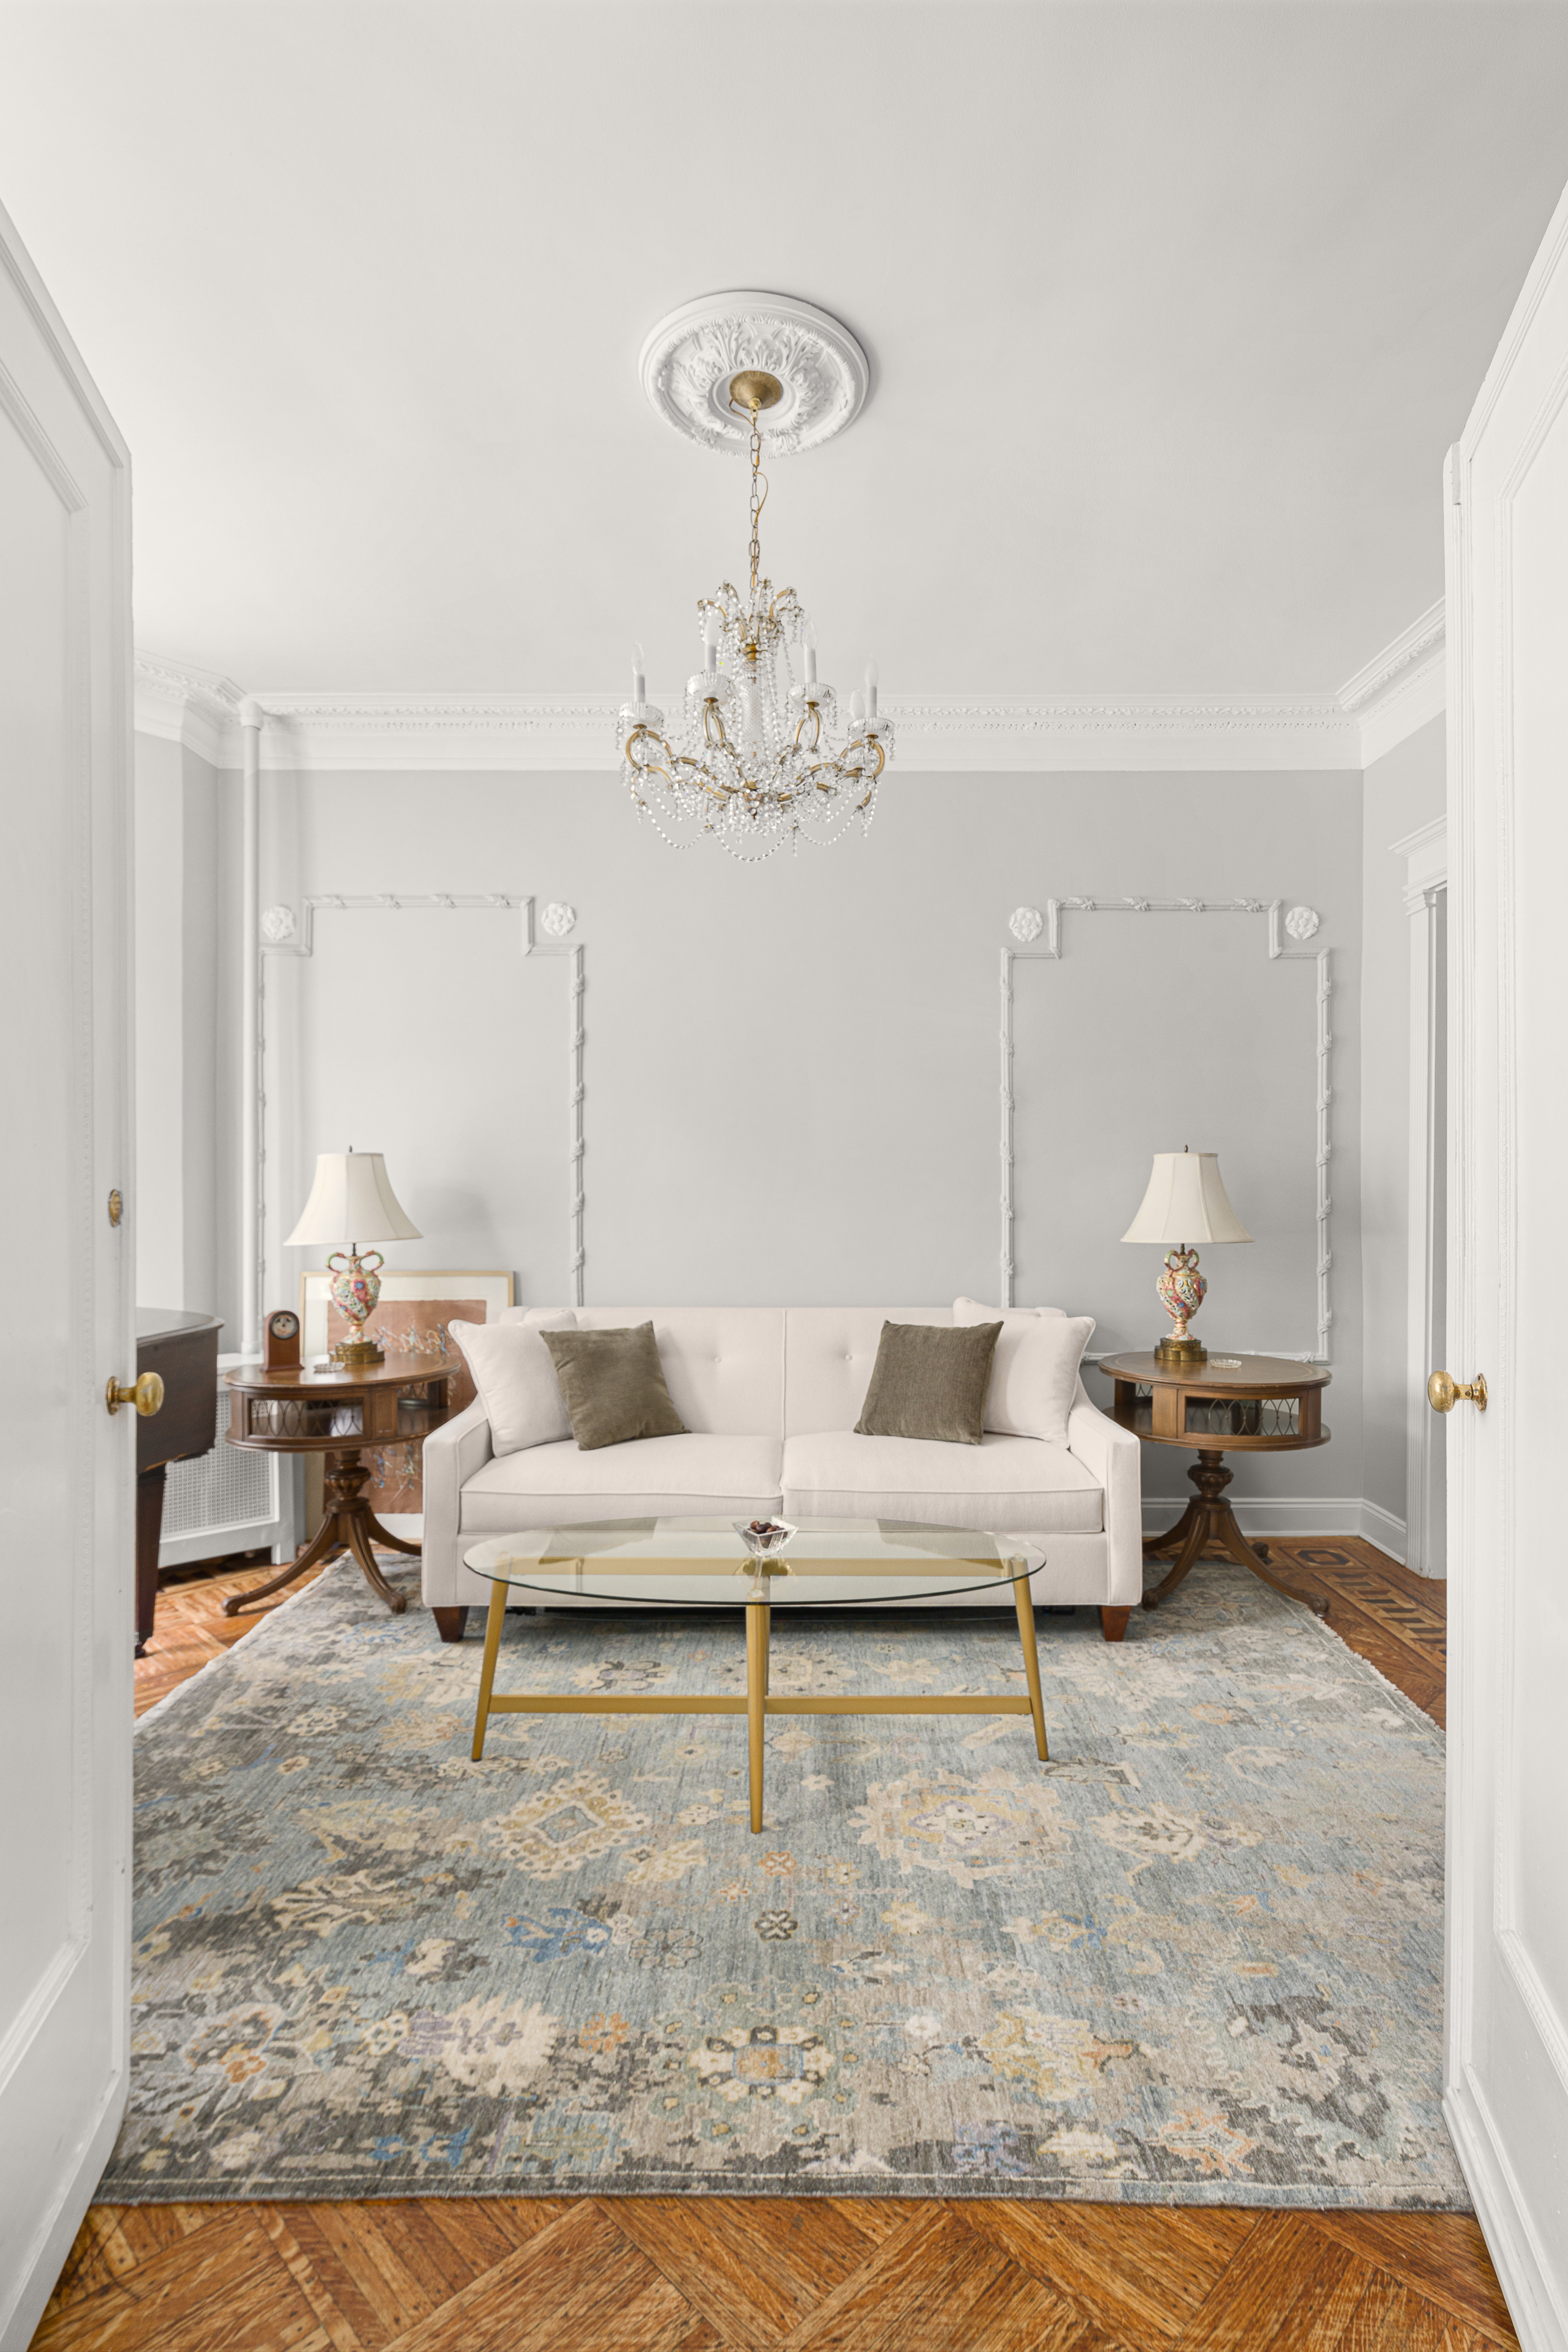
(1211, 1520)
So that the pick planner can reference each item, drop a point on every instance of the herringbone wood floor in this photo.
(776, 2275)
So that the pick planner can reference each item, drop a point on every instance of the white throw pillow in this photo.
(1034, 1373)
(515, 1377)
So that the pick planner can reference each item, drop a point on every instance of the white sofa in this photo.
(769, 1396)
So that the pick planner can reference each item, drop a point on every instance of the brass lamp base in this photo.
(354, 1354)
(1188, 1351)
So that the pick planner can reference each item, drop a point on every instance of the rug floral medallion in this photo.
(1195, 1960)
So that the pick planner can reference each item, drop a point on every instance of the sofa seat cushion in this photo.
(1010, 1483)
(647, 1477)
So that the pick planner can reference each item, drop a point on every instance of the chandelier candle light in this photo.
(756, 758)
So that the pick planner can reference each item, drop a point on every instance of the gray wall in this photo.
(792, 1069)
(1403, 790)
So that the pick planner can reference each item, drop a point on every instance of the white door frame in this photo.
(1506, 2054)
(1425, 855)
(65, 1542)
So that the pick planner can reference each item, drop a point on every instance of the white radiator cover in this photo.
(228, 1500)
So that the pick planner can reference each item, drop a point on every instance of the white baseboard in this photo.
(1327, 1516)
(1527, 2273)
(26, 2291)
(1380, 1527)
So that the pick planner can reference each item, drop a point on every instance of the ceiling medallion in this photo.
(690, 358)
(756, 758)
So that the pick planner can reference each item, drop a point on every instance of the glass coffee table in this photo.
(692, 1563)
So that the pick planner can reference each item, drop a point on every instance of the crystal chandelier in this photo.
(755, 759)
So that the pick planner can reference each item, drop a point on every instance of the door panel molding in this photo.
(65, 608)
(1506, 2061)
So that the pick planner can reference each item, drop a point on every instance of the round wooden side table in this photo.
(1238, 1405)
(338, 1413)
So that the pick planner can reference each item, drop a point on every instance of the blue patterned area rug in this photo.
(1196, 1960)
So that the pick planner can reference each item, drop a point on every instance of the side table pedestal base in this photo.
(348, 1524)
(1209, 1518)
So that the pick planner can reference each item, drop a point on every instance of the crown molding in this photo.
(1137, 732)
(196, 708)
(1401, 687)
(322, 732)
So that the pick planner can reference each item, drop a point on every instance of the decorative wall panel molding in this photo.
(1050, 952)
(529, 733)
(466, 902)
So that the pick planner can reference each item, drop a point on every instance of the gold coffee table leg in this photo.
(493, 1625)
(1024, 1600)
(758, 1616)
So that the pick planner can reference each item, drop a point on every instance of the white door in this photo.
(65, 1467)
(1507, 2098)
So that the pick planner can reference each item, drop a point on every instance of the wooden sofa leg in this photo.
(449, 1622)
(1112, 1622)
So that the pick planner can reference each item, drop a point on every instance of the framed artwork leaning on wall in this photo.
(411, 1323)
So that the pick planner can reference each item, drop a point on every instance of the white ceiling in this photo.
(1172, 312)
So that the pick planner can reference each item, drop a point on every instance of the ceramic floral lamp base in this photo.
(355, 1289)
(1182, 1290)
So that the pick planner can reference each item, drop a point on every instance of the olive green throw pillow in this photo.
(613, 1385)
(926, 1381)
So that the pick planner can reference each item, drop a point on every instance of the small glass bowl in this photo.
(764, 1546)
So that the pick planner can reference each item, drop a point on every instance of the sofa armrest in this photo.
(1113, 1457)
(452, 1454)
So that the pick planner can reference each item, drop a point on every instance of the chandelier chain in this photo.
(758, 500)
(756, 759)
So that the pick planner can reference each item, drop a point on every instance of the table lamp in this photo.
(351, 1202)
(1185, 1202)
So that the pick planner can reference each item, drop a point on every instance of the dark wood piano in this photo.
(182, 1349)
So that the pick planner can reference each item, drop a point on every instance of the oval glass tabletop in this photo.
(702, 1563)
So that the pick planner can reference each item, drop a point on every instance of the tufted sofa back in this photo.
(756, 1372)
(829, 1355)
(724, 1364)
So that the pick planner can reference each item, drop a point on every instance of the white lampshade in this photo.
(1185, 1202)
(351, 1200)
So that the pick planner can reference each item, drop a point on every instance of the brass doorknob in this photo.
(1444, 1392)
(147, 1395)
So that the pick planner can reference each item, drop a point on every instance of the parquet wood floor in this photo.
(779, 2275)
